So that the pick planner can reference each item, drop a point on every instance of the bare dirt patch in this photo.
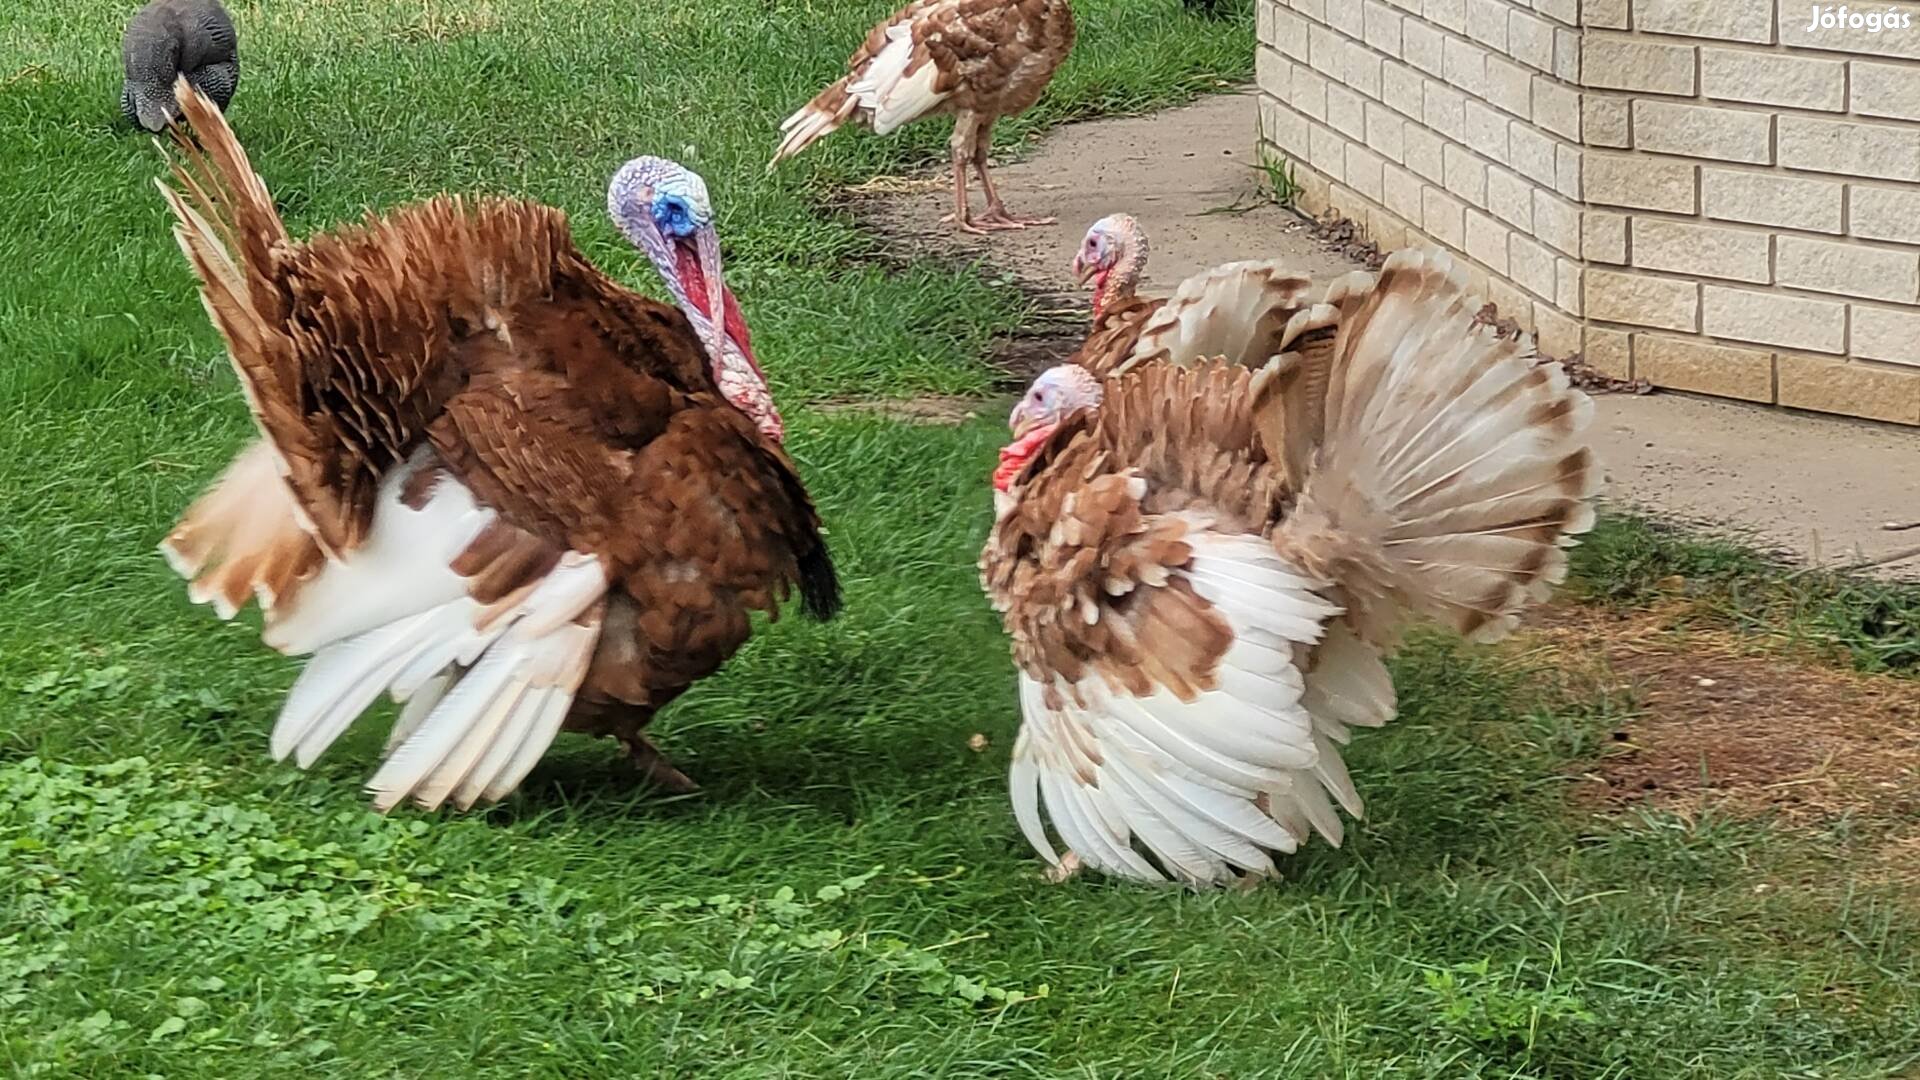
(1724, 721)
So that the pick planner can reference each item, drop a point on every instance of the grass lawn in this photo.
(849, 896)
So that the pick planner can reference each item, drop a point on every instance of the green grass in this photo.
(849, 896)
(1874, 625)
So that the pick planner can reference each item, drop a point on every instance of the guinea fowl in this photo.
(978, 60)
(493, 482)
(1236, 311)
(1202, 567)
(171, 38)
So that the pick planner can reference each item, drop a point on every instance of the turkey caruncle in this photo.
(492, 482)
(1202, 564)
(169, 39)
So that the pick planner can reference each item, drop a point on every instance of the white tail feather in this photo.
(805, 127)
(881, 89)
(1453, 469)
(1239, 311)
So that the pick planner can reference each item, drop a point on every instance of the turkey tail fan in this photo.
(243, 539)
(1452, 468)
(1238, 311)
(229, 231)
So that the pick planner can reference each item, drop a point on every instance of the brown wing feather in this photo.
(698, 525)
(1102, 514)
(1111, 340)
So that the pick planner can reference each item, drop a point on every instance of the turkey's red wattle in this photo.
(693, 281)
(1015, 455)
(1100, 291)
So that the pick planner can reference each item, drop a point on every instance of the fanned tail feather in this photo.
(1451, 469)
(1239, 311)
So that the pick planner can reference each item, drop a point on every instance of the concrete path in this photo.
(1818, 489)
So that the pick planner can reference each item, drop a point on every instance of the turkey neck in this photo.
(1118, 283)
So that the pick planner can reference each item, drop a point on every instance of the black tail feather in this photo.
(819, 584)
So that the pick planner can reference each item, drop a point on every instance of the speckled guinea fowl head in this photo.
(662, 206)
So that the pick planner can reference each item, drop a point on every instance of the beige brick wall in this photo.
(1702, 193)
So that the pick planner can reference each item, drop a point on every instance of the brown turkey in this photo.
(493, 483)
(978, 60)
(1237, 311)
(1201, 567)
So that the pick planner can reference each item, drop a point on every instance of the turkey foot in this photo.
(997, 218)
(964, 224)
(1069, 866)
(654, 766)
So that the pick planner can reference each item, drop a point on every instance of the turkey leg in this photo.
(996, 216)
(1068, 867)
(961, 148)
(654, 766)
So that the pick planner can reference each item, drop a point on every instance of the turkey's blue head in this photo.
(663, 207)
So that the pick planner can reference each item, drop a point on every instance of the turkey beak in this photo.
(1020, 421)
(1083, 270)
(707, 248)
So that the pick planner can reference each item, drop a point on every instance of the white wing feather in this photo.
(895, 97)
(486, 687)
(1211, 786)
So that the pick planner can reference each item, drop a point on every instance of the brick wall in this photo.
(1701, 193)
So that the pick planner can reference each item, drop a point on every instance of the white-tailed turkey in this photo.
(977, 60)
(1201, 567)
(492, 483)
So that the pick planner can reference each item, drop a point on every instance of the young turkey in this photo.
(1202, 567)
(979, 60)
(168, 39)
(492, 482)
